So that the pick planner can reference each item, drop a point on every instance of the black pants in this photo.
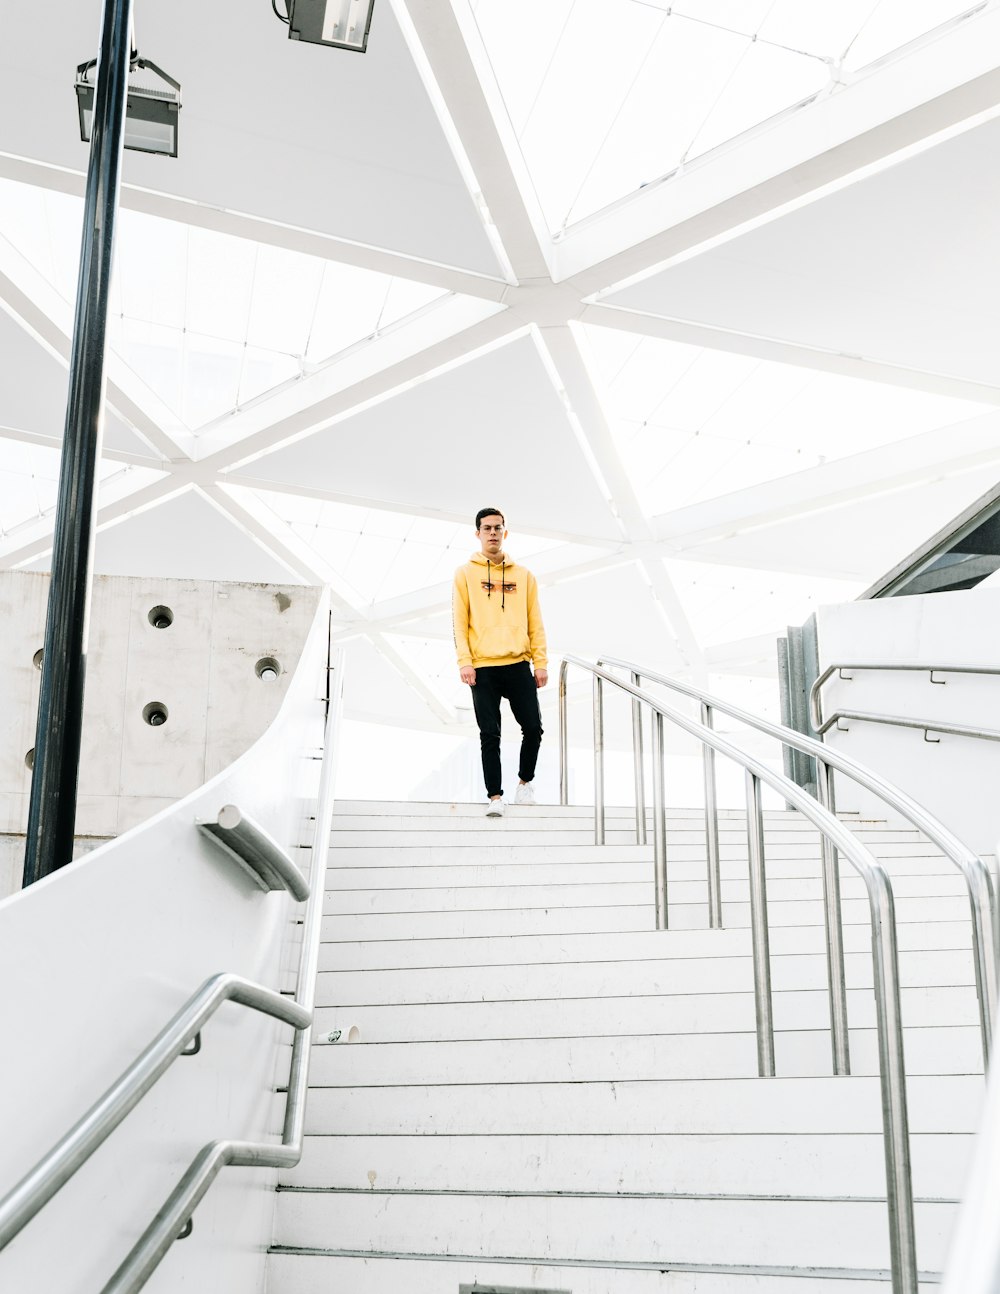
(517, 684)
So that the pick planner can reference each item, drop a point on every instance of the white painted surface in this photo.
(951, 777)
(103, 953)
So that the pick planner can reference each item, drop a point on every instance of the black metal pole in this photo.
(52, 810)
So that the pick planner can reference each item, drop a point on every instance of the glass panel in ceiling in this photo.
(692, 424)
(382, 554)
(29, 477)
(727, 603)
(606, 96)
(207, 320)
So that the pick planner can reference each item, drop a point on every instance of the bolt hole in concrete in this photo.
(36, 660)
(161, 617)
(29, 758)
(155, 714)
(267, 669)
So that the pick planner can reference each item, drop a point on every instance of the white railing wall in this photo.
(96, 959)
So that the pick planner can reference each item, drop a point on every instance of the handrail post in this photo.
(659, 826)
(836, 980)
(598, 760)
(892, 1073)
(639, 766)
(758, 926)
(563, 737)
(711, 828)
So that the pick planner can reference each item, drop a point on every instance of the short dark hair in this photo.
(489, 512)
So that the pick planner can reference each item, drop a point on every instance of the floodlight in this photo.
(150, 114)
(343, 24)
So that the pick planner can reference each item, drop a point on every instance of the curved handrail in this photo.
(884, 950)
(815, 699)
(898, 721)
(177, 1209)
(257, 852)
(978, 878)
(73, 1150)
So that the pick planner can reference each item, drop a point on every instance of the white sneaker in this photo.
(494, 809)
(525, 794)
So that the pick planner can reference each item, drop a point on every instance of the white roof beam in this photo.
(444, 39)
(372, 389)
(785, 352)
(936, 85)
(256, 229)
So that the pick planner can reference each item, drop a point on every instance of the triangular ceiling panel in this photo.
(309, 137)
(492, 431)
(185, 537)
(33, 392)
(860, 272)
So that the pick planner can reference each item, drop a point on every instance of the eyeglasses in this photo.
(491, 529)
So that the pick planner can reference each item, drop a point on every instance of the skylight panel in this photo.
(675, 89)
(693, 424)
(282, 300)
(218, 284)
(150, 273)
(729, 602)
(766, 80)
(896, 22)
(824, 30)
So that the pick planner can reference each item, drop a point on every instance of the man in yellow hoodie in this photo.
(498, 631)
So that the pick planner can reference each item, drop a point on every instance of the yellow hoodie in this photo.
(495, 614)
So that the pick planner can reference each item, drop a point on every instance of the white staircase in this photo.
(551, 1096)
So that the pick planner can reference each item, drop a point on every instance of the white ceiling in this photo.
(714, 375)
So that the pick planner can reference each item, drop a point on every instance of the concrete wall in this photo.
(202, 668)
(955, 777)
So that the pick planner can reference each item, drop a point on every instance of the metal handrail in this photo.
(898, 721)
(72, 1151)
(815, 699)
(977, 876)
(176, 1211)
(885, 960)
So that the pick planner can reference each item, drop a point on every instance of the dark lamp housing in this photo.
(343, 24)
(150, 115)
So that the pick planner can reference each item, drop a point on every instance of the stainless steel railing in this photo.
(52, 1172)
(821, 725)
(976, 874)
(885, 960)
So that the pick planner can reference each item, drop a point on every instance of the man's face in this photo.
(491, 535)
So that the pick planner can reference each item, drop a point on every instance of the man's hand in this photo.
(468, 675)
(541, 677)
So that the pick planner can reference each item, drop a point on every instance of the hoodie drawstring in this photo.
(503, 581)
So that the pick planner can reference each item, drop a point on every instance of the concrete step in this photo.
(607, 1229)
(951, 1049)
(494, 831)
(387, 872)
(558, 917)
(746, 1163)
(680, 1013)
(731, 1106)
(615, 979)
(680, 893)
(638, 945)
(291, 1272)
